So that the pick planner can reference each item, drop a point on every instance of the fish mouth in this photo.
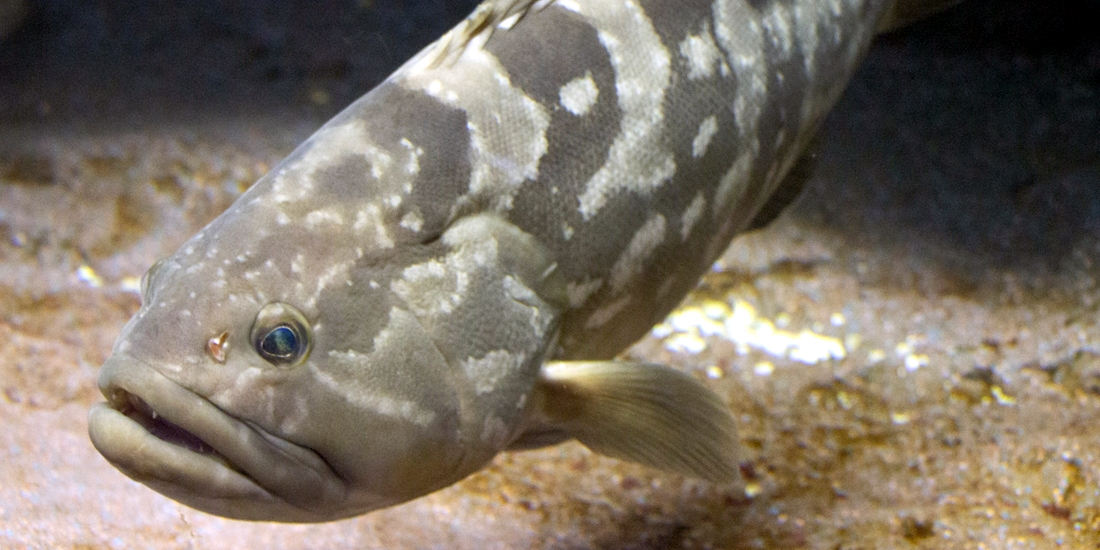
(136, 409)
(186, 448)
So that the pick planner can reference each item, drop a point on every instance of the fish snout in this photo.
(182, 445)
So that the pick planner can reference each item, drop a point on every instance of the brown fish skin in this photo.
(446, 269)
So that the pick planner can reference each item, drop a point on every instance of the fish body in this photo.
(445, 269)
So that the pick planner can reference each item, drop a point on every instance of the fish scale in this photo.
(446, 269)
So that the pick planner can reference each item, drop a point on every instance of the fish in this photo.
(448, 268)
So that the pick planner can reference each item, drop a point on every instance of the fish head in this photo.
(285, 376)
(243, 400)
(346, 336)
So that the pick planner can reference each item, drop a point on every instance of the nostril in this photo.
(216, 347)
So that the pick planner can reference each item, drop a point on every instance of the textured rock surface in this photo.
(913, 352)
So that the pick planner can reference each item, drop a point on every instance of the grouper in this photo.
(448, 268)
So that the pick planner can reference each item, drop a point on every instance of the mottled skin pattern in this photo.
(546, 190)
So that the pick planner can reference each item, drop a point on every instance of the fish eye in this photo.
(281, 342)
(281, 335)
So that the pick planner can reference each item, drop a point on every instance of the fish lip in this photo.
(246, 473)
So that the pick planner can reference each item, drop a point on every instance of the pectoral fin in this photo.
(644, 413)
(790, 188)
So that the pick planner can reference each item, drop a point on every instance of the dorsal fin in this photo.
(906, 12)
(481, 23)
